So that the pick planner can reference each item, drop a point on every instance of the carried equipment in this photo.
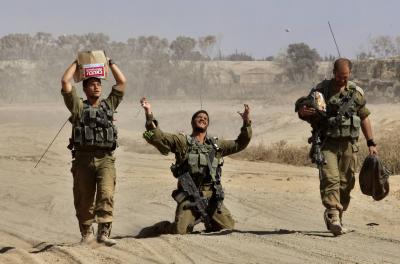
(200, 165)
(374, 178)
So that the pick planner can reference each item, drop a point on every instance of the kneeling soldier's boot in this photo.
(332, 221)
(103, 234)
(87, 233)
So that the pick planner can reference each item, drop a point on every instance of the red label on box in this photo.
(94, 72)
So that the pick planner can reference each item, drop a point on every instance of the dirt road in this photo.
(276, 207)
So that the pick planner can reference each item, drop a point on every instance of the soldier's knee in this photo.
(180, 229)
(229, 224)
(224, 222)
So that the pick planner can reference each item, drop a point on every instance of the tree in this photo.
(16, 46)
(241, 56)
(364, 55)
(183, 48)
(300, 62)
(383, 46)
(44, 44)
(206, 45)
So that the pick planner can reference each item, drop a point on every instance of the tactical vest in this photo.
(342, 125)
(94, 130)
(198, 156)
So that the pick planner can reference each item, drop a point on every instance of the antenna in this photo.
(334, 39)
(51, 143)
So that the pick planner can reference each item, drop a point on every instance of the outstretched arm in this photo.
(67, 78)
(164, 142)
(233, 146)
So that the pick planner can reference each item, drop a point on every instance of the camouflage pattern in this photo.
(184, 217)
(340, 149)
(179, 145)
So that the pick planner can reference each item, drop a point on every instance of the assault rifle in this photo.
(198, 203)
(316, 154)
(219, 194)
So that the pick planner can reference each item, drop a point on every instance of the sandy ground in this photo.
(276, 207)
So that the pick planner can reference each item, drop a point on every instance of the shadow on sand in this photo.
(162, 228)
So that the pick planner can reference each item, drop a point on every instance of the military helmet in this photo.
(374, 178)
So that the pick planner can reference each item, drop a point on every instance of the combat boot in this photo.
(344, 229)
(332, 221)
(87, 233)
(103, 234)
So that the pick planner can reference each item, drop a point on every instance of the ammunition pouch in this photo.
(344, 127)
(94, 130)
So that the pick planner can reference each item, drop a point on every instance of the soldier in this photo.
(92, 144)
(200, 157)
(339, 126)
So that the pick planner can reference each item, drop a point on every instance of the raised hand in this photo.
(146, 105)
(246, 114)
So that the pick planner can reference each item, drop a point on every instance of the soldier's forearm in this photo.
(246, 123)
(118, 76)
(367, 128)
(150, 124)
(67, 78)
(233, 146)
(244, 137)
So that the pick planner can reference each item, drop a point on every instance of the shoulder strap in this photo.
(105, 105)
(214, 142)
(85, 104)
(345, 108)
(211, 156)
(190, 140)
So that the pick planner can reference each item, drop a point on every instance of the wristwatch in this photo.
(111, 62)
(371, 142)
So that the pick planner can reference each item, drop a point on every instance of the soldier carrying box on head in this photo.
(92, 143)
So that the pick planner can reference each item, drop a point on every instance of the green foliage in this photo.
(300, 62)
(238, 56)
(31, 65)
(183, 49)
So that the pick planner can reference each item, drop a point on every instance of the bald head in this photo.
(341, 71)
(342, 63)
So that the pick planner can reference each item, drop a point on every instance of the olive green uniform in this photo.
(179, 145)
(340, 146)
(93, 169)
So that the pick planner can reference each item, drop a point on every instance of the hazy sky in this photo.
(256, 27)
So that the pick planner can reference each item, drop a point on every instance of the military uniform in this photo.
(340, 145)
(340, 136)
(93, 141)
(194, 154)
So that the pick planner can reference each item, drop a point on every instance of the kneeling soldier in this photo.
(199, 159)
